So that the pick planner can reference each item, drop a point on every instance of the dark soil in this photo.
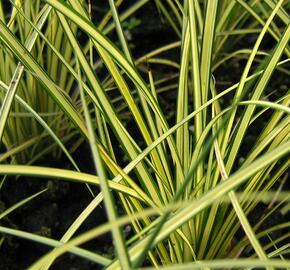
(49, 215)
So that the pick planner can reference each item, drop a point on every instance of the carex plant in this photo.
(21, 133)
(187, 189)
(24, 137)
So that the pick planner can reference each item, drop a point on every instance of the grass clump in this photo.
(187, 189)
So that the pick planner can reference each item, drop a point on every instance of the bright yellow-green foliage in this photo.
(193, 186)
